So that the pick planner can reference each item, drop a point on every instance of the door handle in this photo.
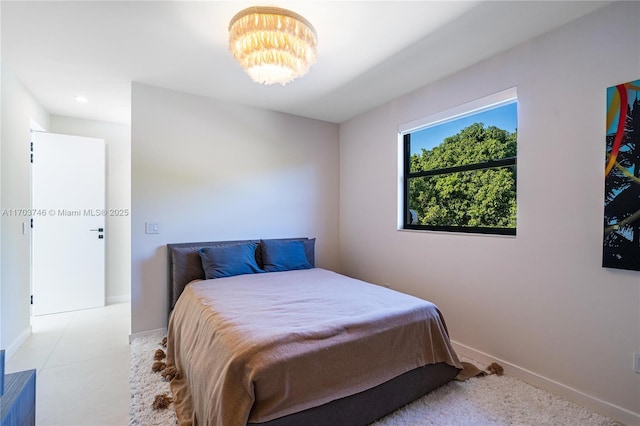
(97, 230)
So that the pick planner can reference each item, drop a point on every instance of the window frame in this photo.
(475, 107)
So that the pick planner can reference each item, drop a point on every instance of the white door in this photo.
(68, 230)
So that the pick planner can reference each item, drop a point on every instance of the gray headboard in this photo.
(185, 264)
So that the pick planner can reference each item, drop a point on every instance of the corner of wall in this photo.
(19, 109)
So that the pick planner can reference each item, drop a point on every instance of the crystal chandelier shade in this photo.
(273, 45)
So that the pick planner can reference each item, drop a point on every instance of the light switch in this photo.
(152, 228)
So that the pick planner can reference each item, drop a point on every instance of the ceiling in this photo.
(369, 52)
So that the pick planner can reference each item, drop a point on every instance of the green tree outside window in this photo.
(467, 183)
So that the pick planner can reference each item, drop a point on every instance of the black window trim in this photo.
(407, 175)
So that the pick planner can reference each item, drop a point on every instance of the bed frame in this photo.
(359, 409)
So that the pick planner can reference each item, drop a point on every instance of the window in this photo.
(459, 168)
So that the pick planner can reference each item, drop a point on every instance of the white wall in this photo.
(18, 109)
(1, 342)
(206, 170)
(540, 302)
(117, 139)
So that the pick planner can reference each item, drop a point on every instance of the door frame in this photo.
(34, 126)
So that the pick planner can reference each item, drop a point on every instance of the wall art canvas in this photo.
(621, 248)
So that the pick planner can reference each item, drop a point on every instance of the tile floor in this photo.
(82, 363)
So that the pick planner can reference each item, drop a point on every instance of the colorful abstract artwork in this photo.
(621, 248)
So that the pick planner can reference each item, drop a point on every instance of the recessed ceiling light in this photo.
(81, 99)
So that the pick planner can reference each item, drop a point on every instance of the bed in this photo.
(297, 345)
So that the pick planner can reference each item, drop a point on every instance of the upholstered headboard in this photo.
(185, 264)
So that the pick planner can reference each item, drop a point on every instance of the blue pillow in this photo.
(282, 255)
(229, 260)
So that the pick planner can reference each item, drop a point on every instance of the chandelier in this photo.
(273, 45)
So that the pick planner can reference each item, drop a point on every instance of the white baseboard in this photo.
(603, 407)
(13, 347)
(158, 331)
(118, 299)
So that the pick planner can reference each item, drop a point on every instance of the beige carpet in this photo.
(482, 400)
